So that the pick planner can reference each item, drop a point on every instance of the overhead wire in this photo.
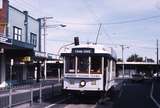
(97, 18)
(116, 22)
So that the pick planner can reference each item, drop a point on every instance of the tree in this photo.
(119, 60)
(135, 58)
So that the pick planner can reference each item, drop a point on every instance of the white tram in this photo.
(89, 67)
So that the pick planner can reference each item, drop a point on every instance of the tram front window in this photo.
(96, 65)
(70, 64)
(83, 65)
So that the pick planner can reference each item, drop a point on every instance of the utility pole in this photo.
(123, 47)
(44, 26)
(157, 53)
(157, 58)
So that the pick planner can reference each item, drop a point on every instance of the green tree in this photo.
(119, 60)
(134, 58)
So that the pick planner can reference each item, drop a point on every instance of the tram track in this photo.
(72, 101)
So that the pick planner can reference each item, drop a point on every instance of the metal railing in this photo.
(28, 93)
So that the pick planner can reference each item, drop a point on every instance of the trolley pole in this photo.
(99, 29)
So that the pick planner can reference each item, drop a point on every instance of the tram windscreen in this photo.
(96, 65)
(70, 64)
(83, 65)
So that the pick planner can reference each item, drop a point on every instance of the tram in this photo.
(89, 68)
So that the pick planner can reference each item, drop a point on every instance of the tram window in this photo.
(83, 65)
(96, 65)
(70, 64)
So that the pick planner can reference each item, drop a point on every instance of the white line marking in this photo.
(57, 102)
(151, 95)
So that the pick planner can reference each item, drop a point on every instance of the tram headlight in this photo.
(82, 83)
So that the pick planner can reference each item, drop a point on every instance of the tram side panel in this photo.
(90, 84)
(110, 70)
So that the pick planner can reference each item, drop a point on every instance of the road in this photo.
(144, 94)
(83, 101)
(136, 95)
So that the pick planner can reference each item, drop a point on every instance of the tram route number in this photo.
(83, 50)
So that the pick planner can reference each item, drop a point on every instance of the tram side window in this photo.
(83, 65)
(96, 65)
(70, 64)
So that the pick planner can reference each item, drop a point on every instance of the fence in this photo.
(29, 93)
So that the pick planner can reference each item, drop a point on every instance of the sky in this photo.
(134, 23)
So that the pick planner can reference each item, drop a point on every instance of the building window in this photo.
(33, 39)
(17, 33)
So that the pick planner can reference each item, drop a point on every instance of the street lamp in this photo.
(44, 27)
(123, 47)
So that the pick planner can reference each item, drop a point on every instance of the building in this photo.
(20, 42)
(131, 68)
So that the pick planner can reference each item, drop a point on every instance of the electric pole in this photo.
(157, 58)
(123, 47)
(44, 27)
(157, 53)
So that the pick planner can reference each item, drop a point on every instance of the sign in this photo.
(5, 40)
(83, 50)
(40, 54)
(26, 59)
(1, 4)
(1, 50)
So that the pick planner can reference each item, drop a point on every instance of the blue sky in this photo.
(82, 18)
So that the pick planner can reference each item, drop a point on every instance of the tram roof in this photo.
(98, 49)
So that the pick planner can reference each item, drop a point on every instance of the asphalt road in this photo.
(131, 95)
(135, 95)
(83, 101)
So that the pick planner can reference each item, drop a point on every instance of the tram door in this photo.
(106, 73)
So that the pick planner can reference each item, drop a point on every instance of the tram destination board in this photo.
(83, 50)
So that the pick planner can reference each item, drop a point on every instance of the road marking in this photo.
(80, 106)
(120, 93)
(57, 102)
(151, 95)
